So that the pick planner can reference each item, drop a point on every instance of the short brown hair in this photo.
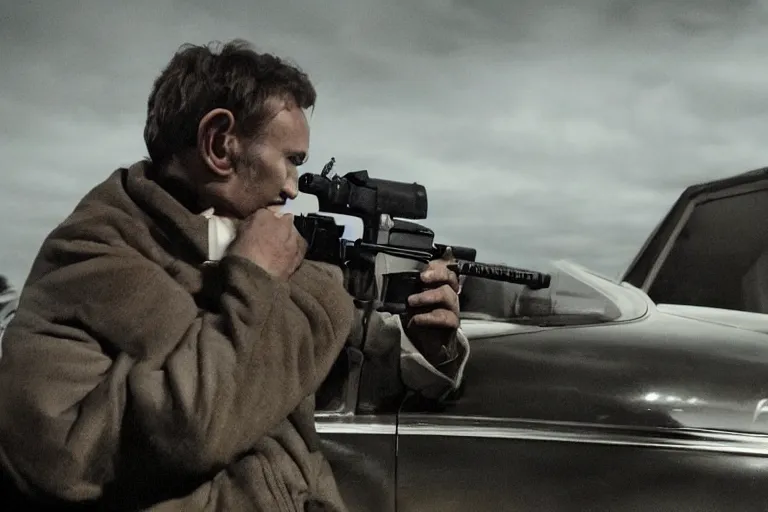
(199, 79)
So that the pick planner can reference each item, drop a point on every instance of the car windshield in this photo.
(719, 257)
(576, 296)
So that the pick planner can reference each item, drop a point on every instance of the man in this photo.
(171, 336)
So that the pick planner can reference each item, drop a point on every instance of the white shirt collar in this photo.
(221, 232)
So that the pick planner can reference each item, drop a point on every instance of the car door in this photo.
(651, 414)
(523, 435)
(360, 445)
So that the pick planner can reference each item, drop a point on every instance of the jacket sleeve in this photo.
(416, 372)
(432, 381)
(385, 331)
(110, 343)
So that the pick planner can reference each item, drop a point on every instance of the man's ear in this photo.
(215, 141)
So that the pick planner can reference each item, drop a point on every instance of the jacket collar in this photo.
(168, 208)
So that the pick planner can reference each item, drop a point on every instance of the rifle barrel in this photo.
(529, 278)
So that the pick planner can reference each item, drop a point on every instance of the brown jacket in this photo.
(136, 377)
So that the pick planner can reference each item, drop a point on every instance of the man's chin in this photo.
(276, 208)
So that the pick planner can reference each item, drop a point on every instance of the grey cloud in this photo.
(542, 128)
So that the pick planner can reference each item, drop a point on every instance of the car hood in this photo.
(756, 322)
(624, 303)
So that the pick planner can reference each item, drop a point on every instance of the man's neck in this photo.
(175, 179)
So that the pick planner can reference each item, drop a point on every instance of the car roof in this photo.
(724, 183)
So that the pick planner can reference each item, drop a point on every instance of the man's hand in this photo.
(271, 241)
(434, 313)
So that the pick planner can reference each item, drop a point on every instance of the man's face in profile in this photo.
(266, 167)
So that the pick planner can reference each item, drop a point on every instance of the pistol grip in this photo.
(397, 287)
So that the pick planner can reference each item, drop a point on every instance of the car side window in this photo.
(720, 257)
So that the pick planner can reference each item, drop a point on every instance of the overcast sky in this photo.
(542, 129)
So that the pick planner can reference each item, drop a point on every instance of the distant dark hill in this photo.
(8, 295)
(8, 298)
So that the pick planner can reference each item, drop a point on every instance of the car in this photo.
(645, 392)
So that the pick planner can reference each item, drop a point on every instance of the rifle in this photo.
(383, 206)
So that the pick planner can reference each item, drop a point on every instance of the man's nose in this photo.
(291, 187)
